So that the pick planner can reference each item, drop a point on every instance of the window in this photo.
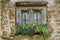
(26, 15)
(37, 15)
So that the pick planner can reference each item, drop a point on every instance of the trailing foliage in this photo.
(33, 29)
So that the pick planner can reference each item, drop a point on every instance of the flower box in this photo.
(32, 29)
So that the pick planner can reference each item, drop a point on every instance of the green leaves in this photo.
(33, 29)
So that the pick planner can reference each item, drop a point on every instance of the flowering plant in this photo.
(33, 29)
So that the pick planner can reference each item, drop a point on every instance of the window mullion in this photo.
(31, 15)
(25, 19)
(36, 17)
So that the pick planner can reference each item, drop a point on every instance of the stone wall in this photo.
(0, 14)
(7, 19)
(53, 15)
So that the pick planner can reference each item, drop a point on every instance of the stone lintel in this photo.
(30, 4)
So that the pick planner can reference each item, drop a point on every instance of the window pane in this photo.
(25, 16)
(37, 16)
(34, 15)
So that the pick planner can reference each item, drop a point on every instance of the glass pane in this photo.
(37, 16)
(25, 17)
(34, 15)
